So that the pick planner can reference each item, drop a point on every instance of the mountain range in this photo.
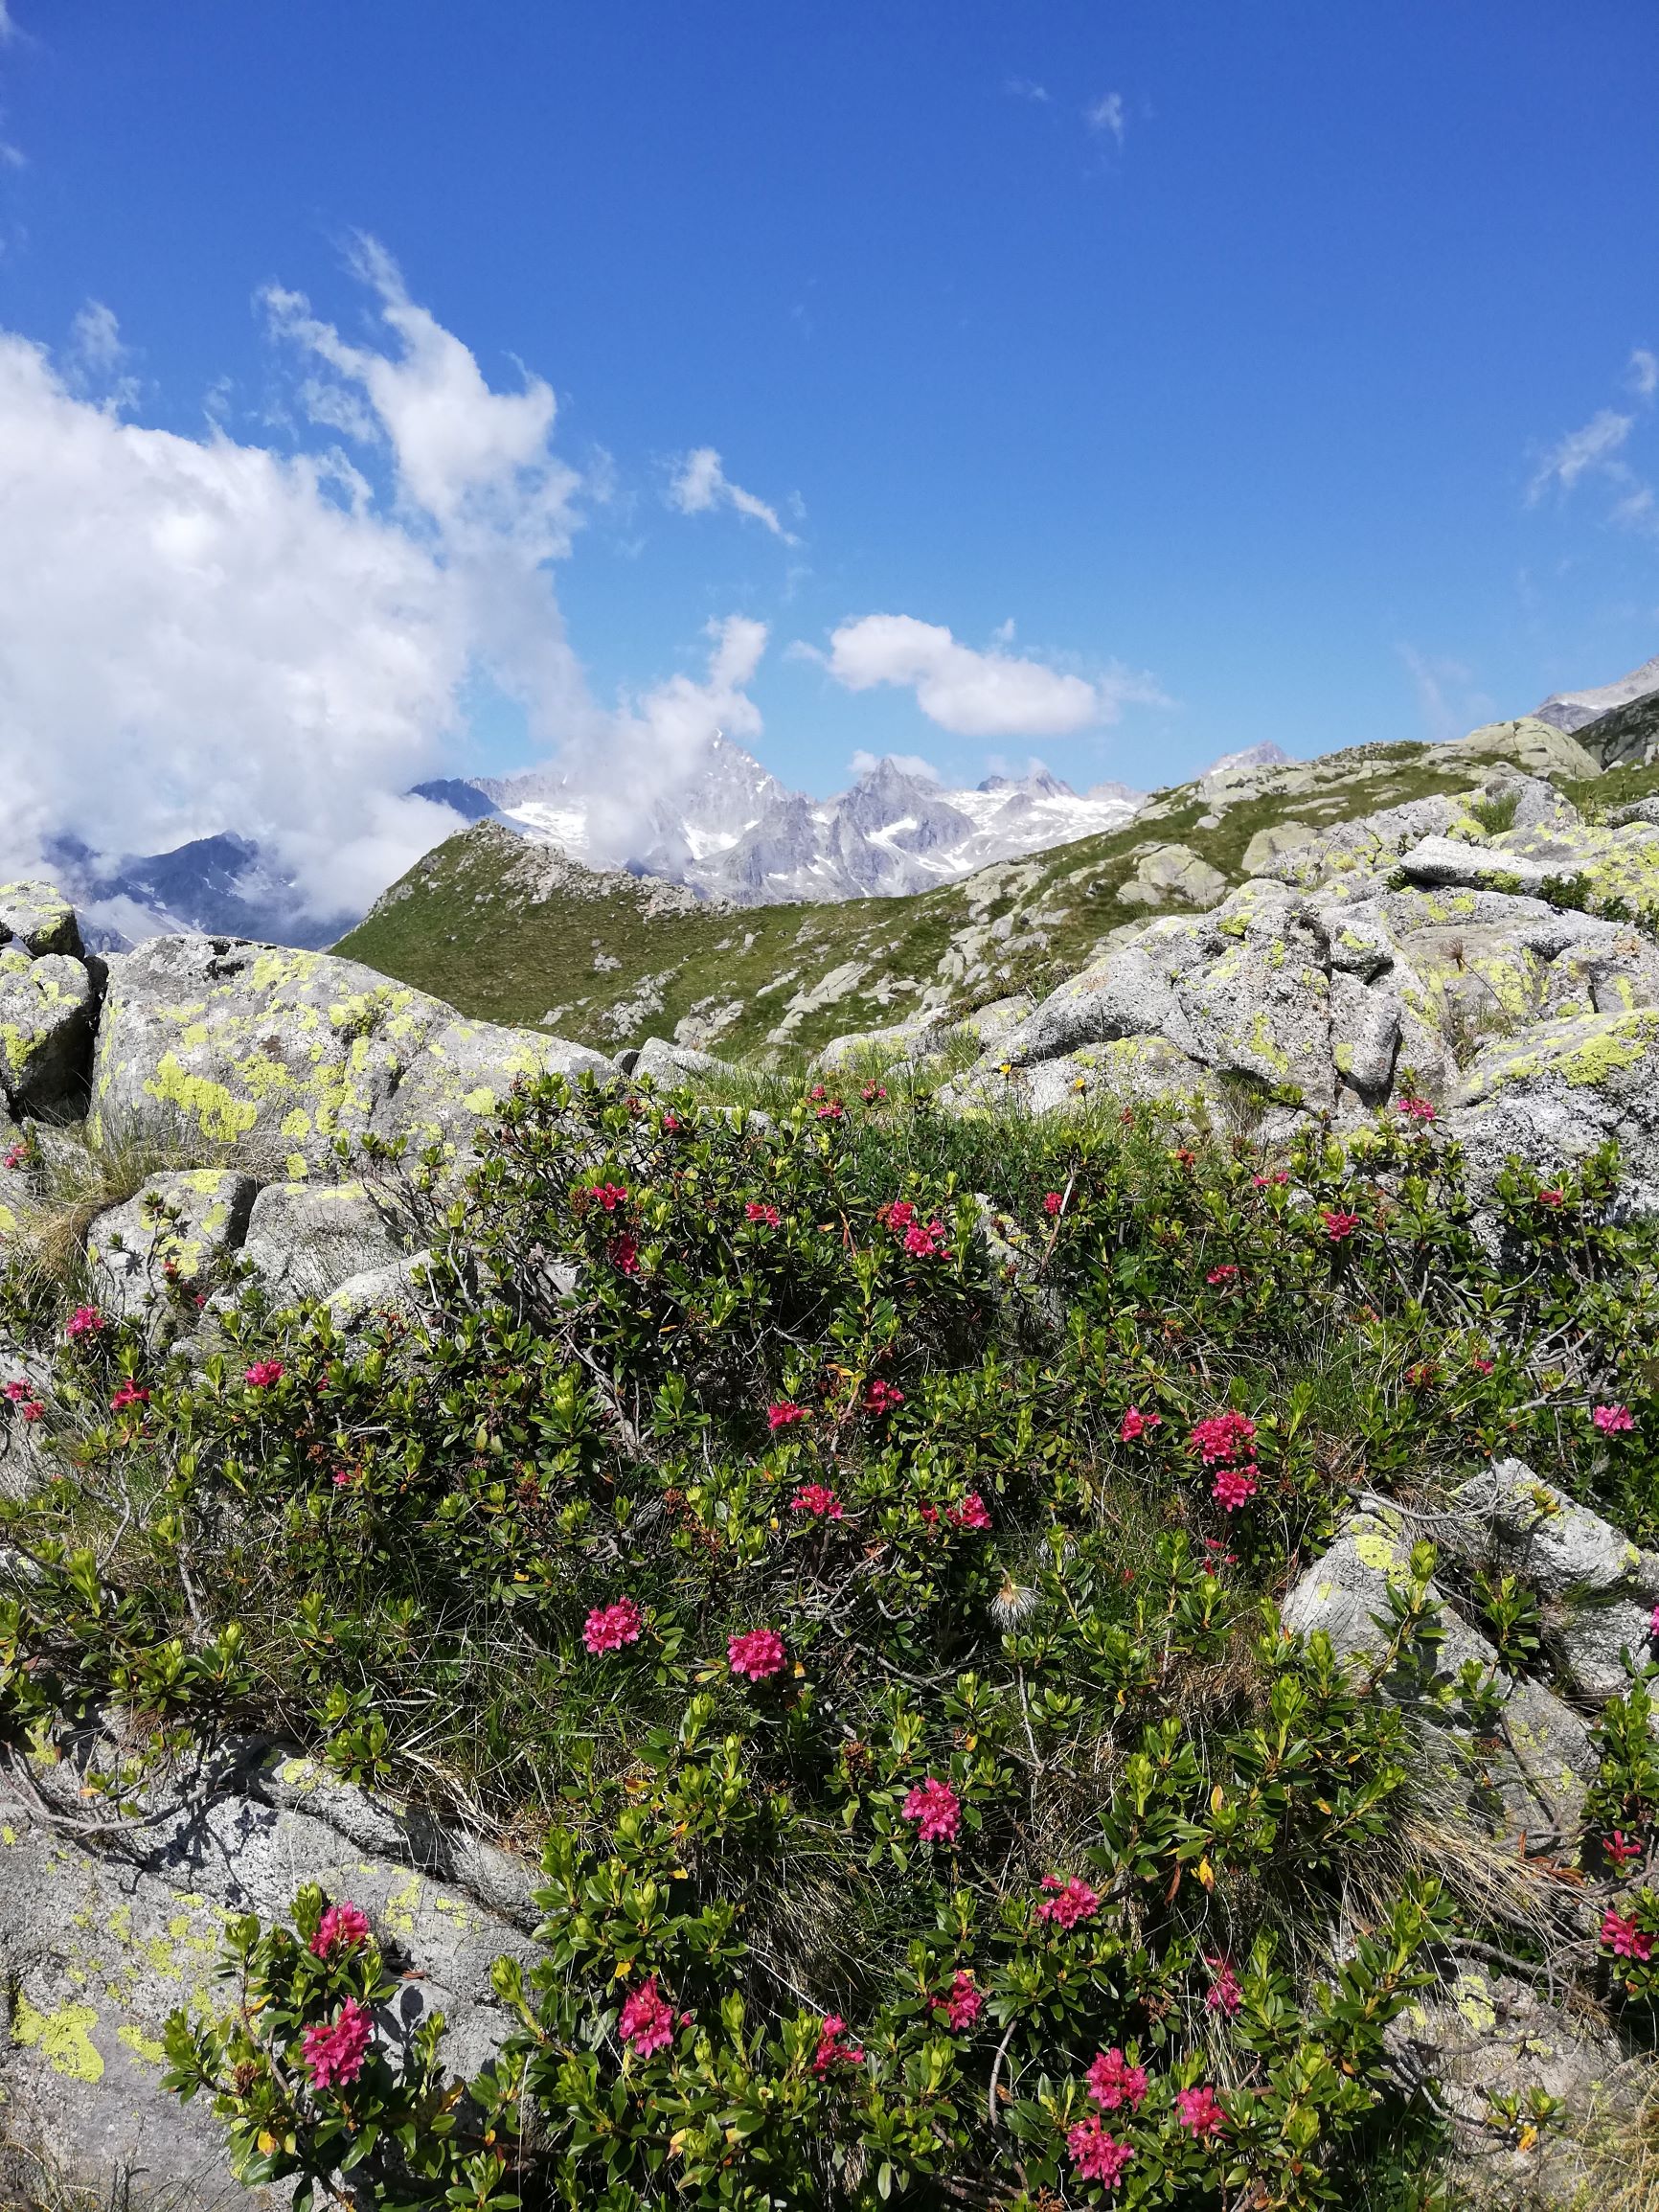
(730, 831)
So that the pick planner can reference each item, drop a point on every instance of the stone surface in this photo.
(39, 918)
(395, 1292)
(1482, 2036)
(1448, 861)
(1166, 874)
(1532, 1772)
(1552, 1094)
(175, 1227)
(304, 1239)
(670, 1065)
(280, 1053)
(46, 1007)
(97, 1949)
(1527, 744)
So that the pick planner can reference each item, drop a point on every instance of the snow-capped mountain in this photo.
(216, 886)
(735, 831)
(1570, 711)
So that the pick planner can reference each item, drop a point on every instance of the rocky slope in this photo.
(605, 958)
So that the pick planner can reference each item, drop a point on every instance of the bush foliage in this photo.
(847, 1543)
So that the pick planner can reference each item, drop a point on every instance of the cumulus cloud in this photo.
(198, 633)
(973, 693)
(910, 763)
(1106, 116)
(1644, 372)
(699, 483)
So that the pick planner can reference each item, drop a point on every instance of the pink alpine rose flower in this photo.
(342, 1927)
(1135, 1424)
(754, 1211)
(1199, 2112)
(1624, 1939)
(1234, 1487)
(129, 1394)
(1069, 1902)
(609, 1628)
(818, 1500)
(610, 1195)
(833, 2048)
(333, 2053)
(1225, 1996)
(964, 2004)
(1051, 1203)
(1096, 2154)
(1338, 1225)
(1113, 2082)
(783, 1413)
(623, 1254)
(647, 2019)
(883, 1395)
(936, 1810)
(971, 1513)
(84, 1321)
(1222, 1436)
(262, 1374)
(1613, 1420)
(757, 1653)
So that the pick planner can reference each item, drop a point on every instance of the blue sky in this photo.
(1233, 354)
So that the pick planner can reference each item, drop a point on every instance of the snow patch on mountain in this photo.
(1570, 711)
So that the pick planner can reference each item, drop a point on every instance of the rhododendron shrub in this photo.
(933, 1806)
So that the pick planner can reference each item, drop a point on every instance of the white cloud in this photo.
(700, 484)
(1644, 372)
(976, 695)
(1106, 115)
(201, 634)
(1447, 698)
(1023, 88)
(1594, 446)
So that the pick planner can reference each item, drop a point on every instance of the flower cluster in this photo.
(1113, 2082)
(262, 1374)
(1051, 1203)
(1135, 1424)
(936, 1810)
(1225, 1996)
(963, 2005)
(756, 1654)
(127, 1394)
(1338, 1225)
(623, 1254)
(610, 1195)
(609, 1628)
(833, 2048)
(646, 2023)
(883, 1395)
(1068, 1902)
(783, 1413)
(84, 1321)
(922, 1240)
(818, 1500)
(342, 1927)
(1414, 1109)
(754, 1211)
(1096, 2154)
(1199, 2112)
(1613, 1420)
(334, 2051)
(22, 1396)
(1624, 1939)
(971, 1513)
(1224, 1441)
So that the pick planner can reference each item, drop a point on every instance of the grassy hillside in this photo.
(517, 933)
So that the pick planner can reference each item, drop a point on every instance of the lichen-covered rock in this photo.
(1525, 743)
(306, 1239)
(1449, 862)
(39, 918)
(46, 1017)
(1136, 1069)
(395, 1292)
(280, 1054)
(464, 1075)
(1556, 1091)
(276, 1052)
(172, 1230)
(1611, 863)
(1482, 2036)
(1532, 1773)
(97, 1951)
(1166, 873)
(1599, 1588)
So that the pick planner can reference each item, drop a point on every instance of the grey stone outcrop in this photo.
(105, 1937)
(48, 1003)
(172, 1230)
(304, 1239)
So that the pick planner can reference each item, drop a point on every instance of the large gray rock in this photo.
(174, 1230)
(46, 1007)
(304, 1239)
(280, 1053)
(1443, 862)
(1556, 1091)
(97, 1947)
(1166, 874)
(397, 1292)
(1479, 2036)
(1600, 1589)
(1532, 1773)
(39, 918)
(670, 1064)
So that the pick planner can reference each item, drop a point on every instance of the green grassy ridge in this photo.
(457, 926)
